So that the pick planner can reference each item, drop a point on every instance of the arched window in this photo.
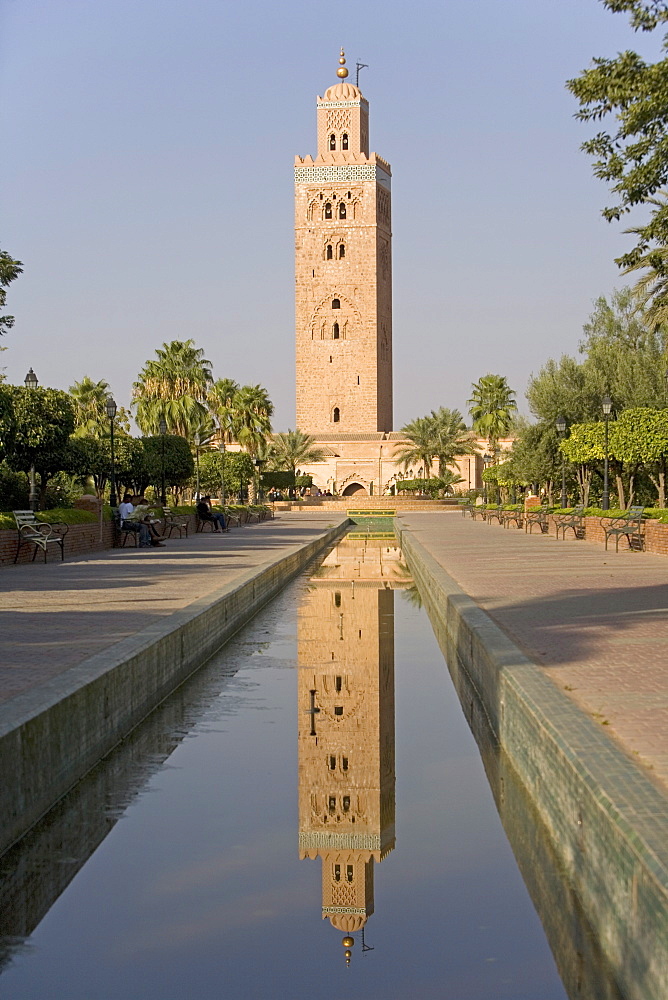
(329, 252)
(342, 251)
(328, 210)
(337, 595)
(346, 803)
(335, 336)
(332, 763)
(342, 210)
(349, 873)
(336, 416)
(344, 763)
(337, 873)
(332, 141)
(336, 303)
(344, 141)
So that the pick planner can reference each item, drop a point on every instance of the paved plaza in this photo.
(596, 621)
(54, 616)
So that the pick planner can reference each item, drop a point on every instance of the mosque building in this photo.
(343, 281)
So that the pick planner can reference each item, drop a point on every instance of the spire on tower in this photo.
(342, 72)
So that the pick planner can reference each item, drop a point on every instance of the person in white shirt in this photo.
(125, 509)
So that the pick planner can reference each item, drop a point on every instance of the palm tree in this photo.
(90, 409)
(289, 451)
(423, 448)
(251, 422)
(452, 438)
(220, 400)
(492, 405)
(174, 387)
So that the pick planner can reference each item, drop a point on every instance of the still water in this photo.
(315, 781)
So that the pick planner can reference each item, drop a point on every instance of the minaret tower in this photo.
(343, 273)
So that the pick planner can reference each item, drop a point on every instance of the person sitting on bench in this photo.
(125, 511)
(205, 513)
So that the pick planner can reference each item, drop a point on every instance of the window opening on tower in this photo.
(342, 249)
(332, 141)
(336, 303)
(328, 210)
(335, 331)
(336, 416)
(329, 253)
(342, 210)
(344, 141)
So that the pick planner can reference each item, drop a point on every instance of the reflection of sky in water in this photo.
(198, 890)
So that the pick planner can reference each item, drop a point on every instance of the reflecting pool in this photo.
(309, 815)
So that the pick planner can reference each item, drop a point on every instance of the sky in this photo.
(147, 185)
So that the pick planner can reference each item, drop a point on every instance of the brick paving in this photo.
(53, 616)
(596, 621)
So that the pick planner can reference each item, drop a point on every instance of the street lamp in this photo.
(31, 382)
(197, 440)
(222, 449)
(111, 413)
(163, 431)
(606, 403)
(486, 459)
(257, 464)
(561, 431)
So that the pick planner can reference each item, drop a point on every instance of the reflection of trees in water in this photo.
(412, 596)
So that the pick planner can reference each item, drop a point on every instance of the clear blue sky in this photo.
(147, 182)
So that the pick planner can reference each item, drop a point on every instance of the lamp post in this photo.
(31, 382)
(111, 413)
(197, 440)
(257, 465)
(486, 459)
(222, 449)
(606, 402)
(561, 431)
(163, 431)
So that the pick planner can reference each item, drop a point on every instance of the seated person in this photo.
(205, 513)
(143, 513)
(128, 523)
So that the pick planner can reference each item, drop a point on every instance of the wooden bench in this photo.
(630, 525)
(38, 533)
(539, 516)
(495, 514)
(508, 516)
(173, 522)
(574, 519)
(478, 511)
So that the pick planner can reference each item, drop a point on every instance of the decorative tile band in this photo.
(344, 909)
(349, 841)
(344, 104)
(343, 172)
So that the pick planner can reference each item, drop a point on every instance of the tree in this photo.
(535, 457)
(423, 445)
(452, 439)
(251, 422)
(90, 409)
(584, 447)
(492, 406)
(289, 451)
(639, 437)
(174, 387)
(221, 404)
(178, 461)
(34, 430)
(9, 271)
(632, 155)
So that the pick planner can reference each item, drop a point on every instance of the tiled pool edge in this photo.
(609, 822)
(53, 734)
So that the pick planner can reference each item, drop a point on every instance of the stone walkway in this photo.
(596, 621)
(53, 616)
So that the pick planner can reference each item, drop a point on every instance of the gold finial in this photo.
(342, 72)
(348, 943)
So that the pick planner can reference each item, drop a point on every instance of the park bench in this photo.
(38, 533)
(173, 522)
(508, 516)
(539, 516)
(252, 515)
(231, 518)
(478, 511)
(495, 514)
(574, 519)
(466, 508)
(628, 524)
(201, 523)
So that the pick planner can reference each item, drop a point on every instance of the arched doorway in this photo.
(355, 489)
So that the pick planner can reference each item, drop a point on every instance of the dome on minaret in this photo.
(348, 922)
(342, 91)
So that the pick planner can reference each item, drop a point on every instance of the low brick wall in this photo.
(656, 534)
(80, 540)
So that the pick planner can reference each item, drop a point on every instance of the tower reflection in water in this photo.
(346, 723)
